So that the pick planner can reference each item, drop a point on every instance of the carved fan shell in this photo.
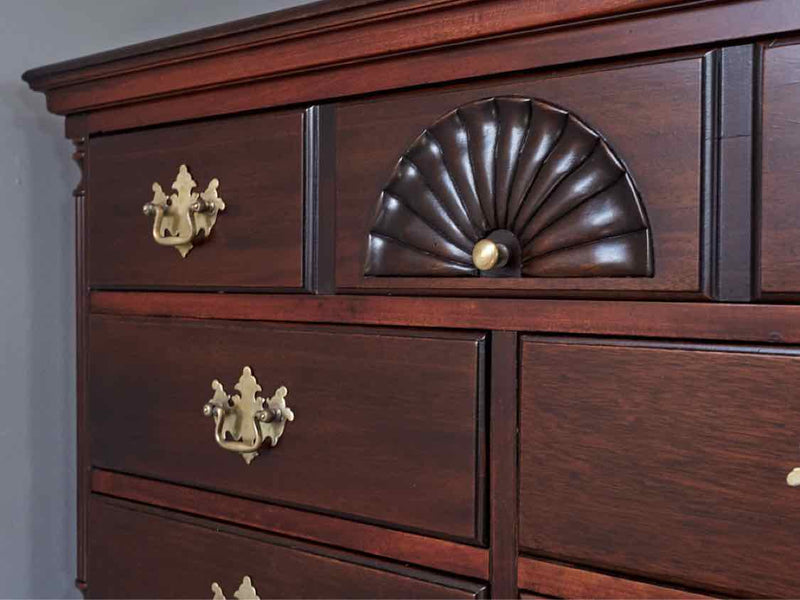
(516, 164)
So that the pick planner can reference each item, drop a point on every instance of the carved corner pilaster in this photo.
(79, 156)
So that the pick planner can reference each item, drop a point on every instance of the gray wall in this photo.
(37, 333)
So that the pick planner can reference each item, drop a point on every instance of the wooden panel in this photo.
(561, 581)
(734, 215)
(503, 463)
(650, 115)
(385, 430)
(746, 322)
(666, 462)
(141, 555)
(402, 546)
(256, 242)
(780, 219)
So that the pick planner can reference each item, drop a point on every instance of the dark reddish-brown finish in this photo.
(653, 463)
(402, 546)
(734, 250)
(144, 555)
(384, 430)
(664, 461)
(780, 219)
(256, 242)
(278, 44)
(524, 167)
(659, 141)
(686, 24)
(562, 581)
(748, 322)
(503, 463)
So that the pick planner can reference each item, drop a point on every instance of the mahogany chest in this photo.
(441, 298)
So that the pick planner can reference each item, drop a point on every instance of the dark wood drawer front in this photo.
(142, 555)
(663, 462)
(400, 223)
(388, 424)
(257, 240)
(780, 217)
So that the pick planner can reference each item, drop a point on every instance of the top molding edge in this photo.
(434, 22)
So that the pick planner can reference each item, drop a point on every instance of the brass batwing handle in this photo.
(185, 217)
(488, 254)
(243, 421)
(246, 591)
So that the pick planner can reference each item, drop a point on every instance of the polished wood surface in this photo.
(143, 555)
(401, 546)
(384, 429)
(702, 22)
(561, 581)
(521, 166)
(780, 261)
(548, 428)
(657, 140)
(503, 468)
(746, 322)
(257, 241)
(664, 461)
(733, 221)
(299, 40)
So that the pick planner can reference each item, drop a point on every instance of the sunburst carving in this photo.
(521, 168)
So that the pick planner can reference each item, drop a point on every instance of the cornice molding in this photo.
(300, 40)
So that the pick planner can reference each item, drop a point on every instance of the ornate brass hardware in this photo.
(793, 478)
(246, 591)
(487, 255)
(242, 423)
(183, 219)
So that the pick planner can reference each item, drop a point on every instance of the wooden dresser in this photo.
(441, 299)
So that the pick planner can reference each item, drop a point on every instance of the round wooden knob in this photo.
(487, 255)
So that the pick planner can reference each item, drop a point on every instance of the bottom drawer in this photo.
(136, 554)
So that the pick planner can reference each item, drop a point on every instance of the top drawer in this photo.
(592, 179)
(256, 241)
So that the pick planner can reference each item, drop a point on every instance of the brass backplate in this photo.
(184, 218)
(244, 421)
(246, 591)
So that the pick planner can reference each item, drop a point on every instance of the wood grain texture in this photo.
(780, 178)
(384, 430)
(144, 555)
(775, 324)
(562, 581)
(442, 555)
(503, 458)
(704, 23)
(356, 33)
(257, 241)
(514, 164)
(658, 138)
(662, 461)
(734, 224)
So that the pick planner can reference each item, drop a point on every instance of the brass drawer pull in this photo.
(246, 591)
(243, 422)
(488, 255)
(793, 478)
(185, 218)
